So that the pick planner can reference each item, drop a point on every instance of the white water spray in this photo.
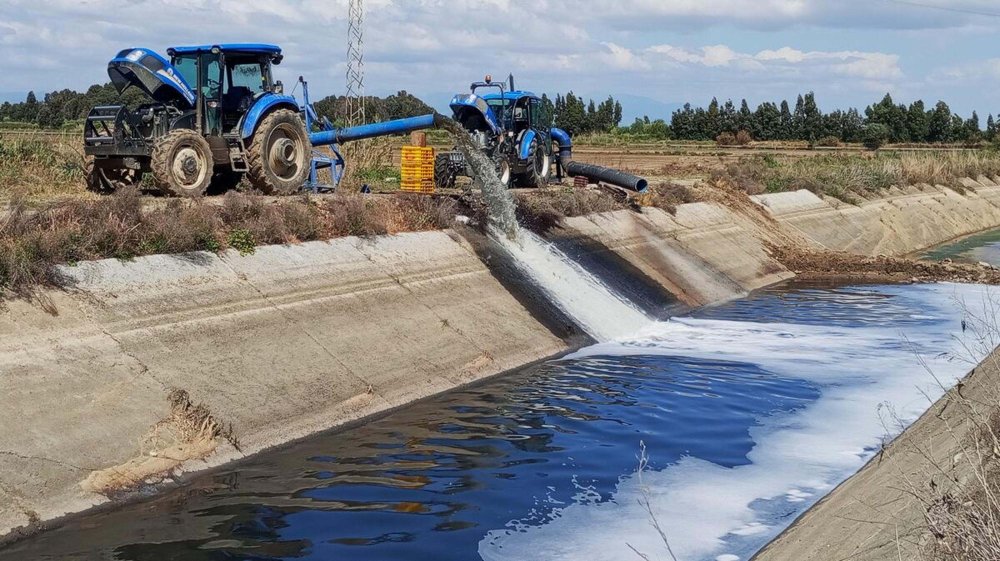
(603, 313)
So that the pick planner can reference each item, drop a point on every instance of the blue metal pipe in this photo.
(360, 132)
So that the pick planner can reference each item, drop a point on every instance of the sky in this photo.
(652, 54)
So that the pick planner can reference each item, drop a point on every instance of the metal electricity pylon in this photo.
(355, 106)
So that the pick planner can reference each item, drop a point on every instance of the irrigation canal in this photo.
(749, 412)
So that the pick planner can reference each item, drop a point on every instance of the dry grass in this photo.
(855, 177)
(38, 167)
(368, 162)
(667, 195)
(34, 240)
(545, 209)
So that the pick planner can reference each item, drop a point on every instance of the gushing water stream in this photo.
(599, 310)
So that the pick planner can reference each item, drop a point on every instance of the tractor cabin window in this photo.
(249, 75)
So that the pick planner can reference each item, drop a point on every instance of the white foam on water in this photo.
(872, 383)
(604, 314)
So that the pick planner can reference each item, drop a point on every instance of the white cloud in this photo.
(621, 58)
(868, 65)
(646, 48)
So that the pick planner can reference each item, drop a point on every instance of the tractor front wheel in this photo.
(182, 163)
(279, 154)
(539, 167)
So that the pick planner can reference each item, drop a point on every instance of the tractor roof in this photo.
(254, 48)
(512, 95)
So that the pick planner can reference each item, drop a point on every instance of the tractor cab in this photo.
(518, 111)
(227, 80)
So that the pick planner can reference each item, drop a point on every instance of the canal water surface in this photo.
(748, 412)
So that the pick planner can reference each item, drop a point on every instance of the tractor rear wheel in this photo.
(279, 154)
(444, 175)
(182, 163)
(539, 167)
(103, 180)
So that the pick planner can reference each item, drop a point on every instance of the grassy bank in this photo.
(852, 178)
(37, 167)
(545, 209)
(34, 240)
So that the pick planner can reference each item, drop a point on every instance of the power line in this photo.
(945, 8)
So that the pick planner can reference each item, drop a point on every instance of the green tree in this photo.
(973, 132)
(875, 135)
(939, 123)
(918, 121)
(787, 129)
(812, 118)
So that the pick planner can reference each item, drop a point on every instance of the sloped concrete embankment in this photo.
(268, 348)
(190, 361)
(710, 252)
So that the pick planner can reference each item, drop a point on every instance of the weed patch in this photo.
(34, 240)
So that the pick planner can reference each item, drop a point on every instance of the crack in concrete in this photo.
(144, 370)
(298, 325)
(44, 459)
(444, 321)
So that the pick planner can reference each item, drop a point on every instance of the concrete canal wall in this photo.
(186, 362)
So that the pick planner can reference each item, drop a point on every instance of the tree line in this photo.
(886, 119)
(397, 106)
(778, 121)
(64, 106)
(67, 107)
(575, 116)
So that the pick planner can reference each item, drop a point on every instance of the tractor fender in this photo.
(261, 107)
(525, 150)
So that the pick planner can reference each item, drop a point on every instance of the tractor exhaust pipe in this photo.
(610, 176)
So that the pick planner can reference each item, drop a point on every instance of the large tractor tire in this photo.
(182, 163)
(101, 180)
(539, 167)
(279, 154)
(444, 175)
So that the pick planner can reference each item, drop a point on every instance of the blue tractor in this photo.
(216, 115)
(511, 127)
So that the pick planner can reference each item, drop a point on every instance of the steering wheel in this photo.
(213, 85)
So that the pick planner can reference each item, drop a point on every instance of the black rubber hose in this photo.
(607, 175)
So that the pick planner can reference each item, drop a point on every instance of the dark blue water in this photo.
(430, 481)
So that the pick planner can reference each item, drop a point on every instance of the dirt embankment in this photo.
(836, 265)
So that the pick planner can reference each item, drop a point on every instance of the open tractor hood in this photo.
(151, 73)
